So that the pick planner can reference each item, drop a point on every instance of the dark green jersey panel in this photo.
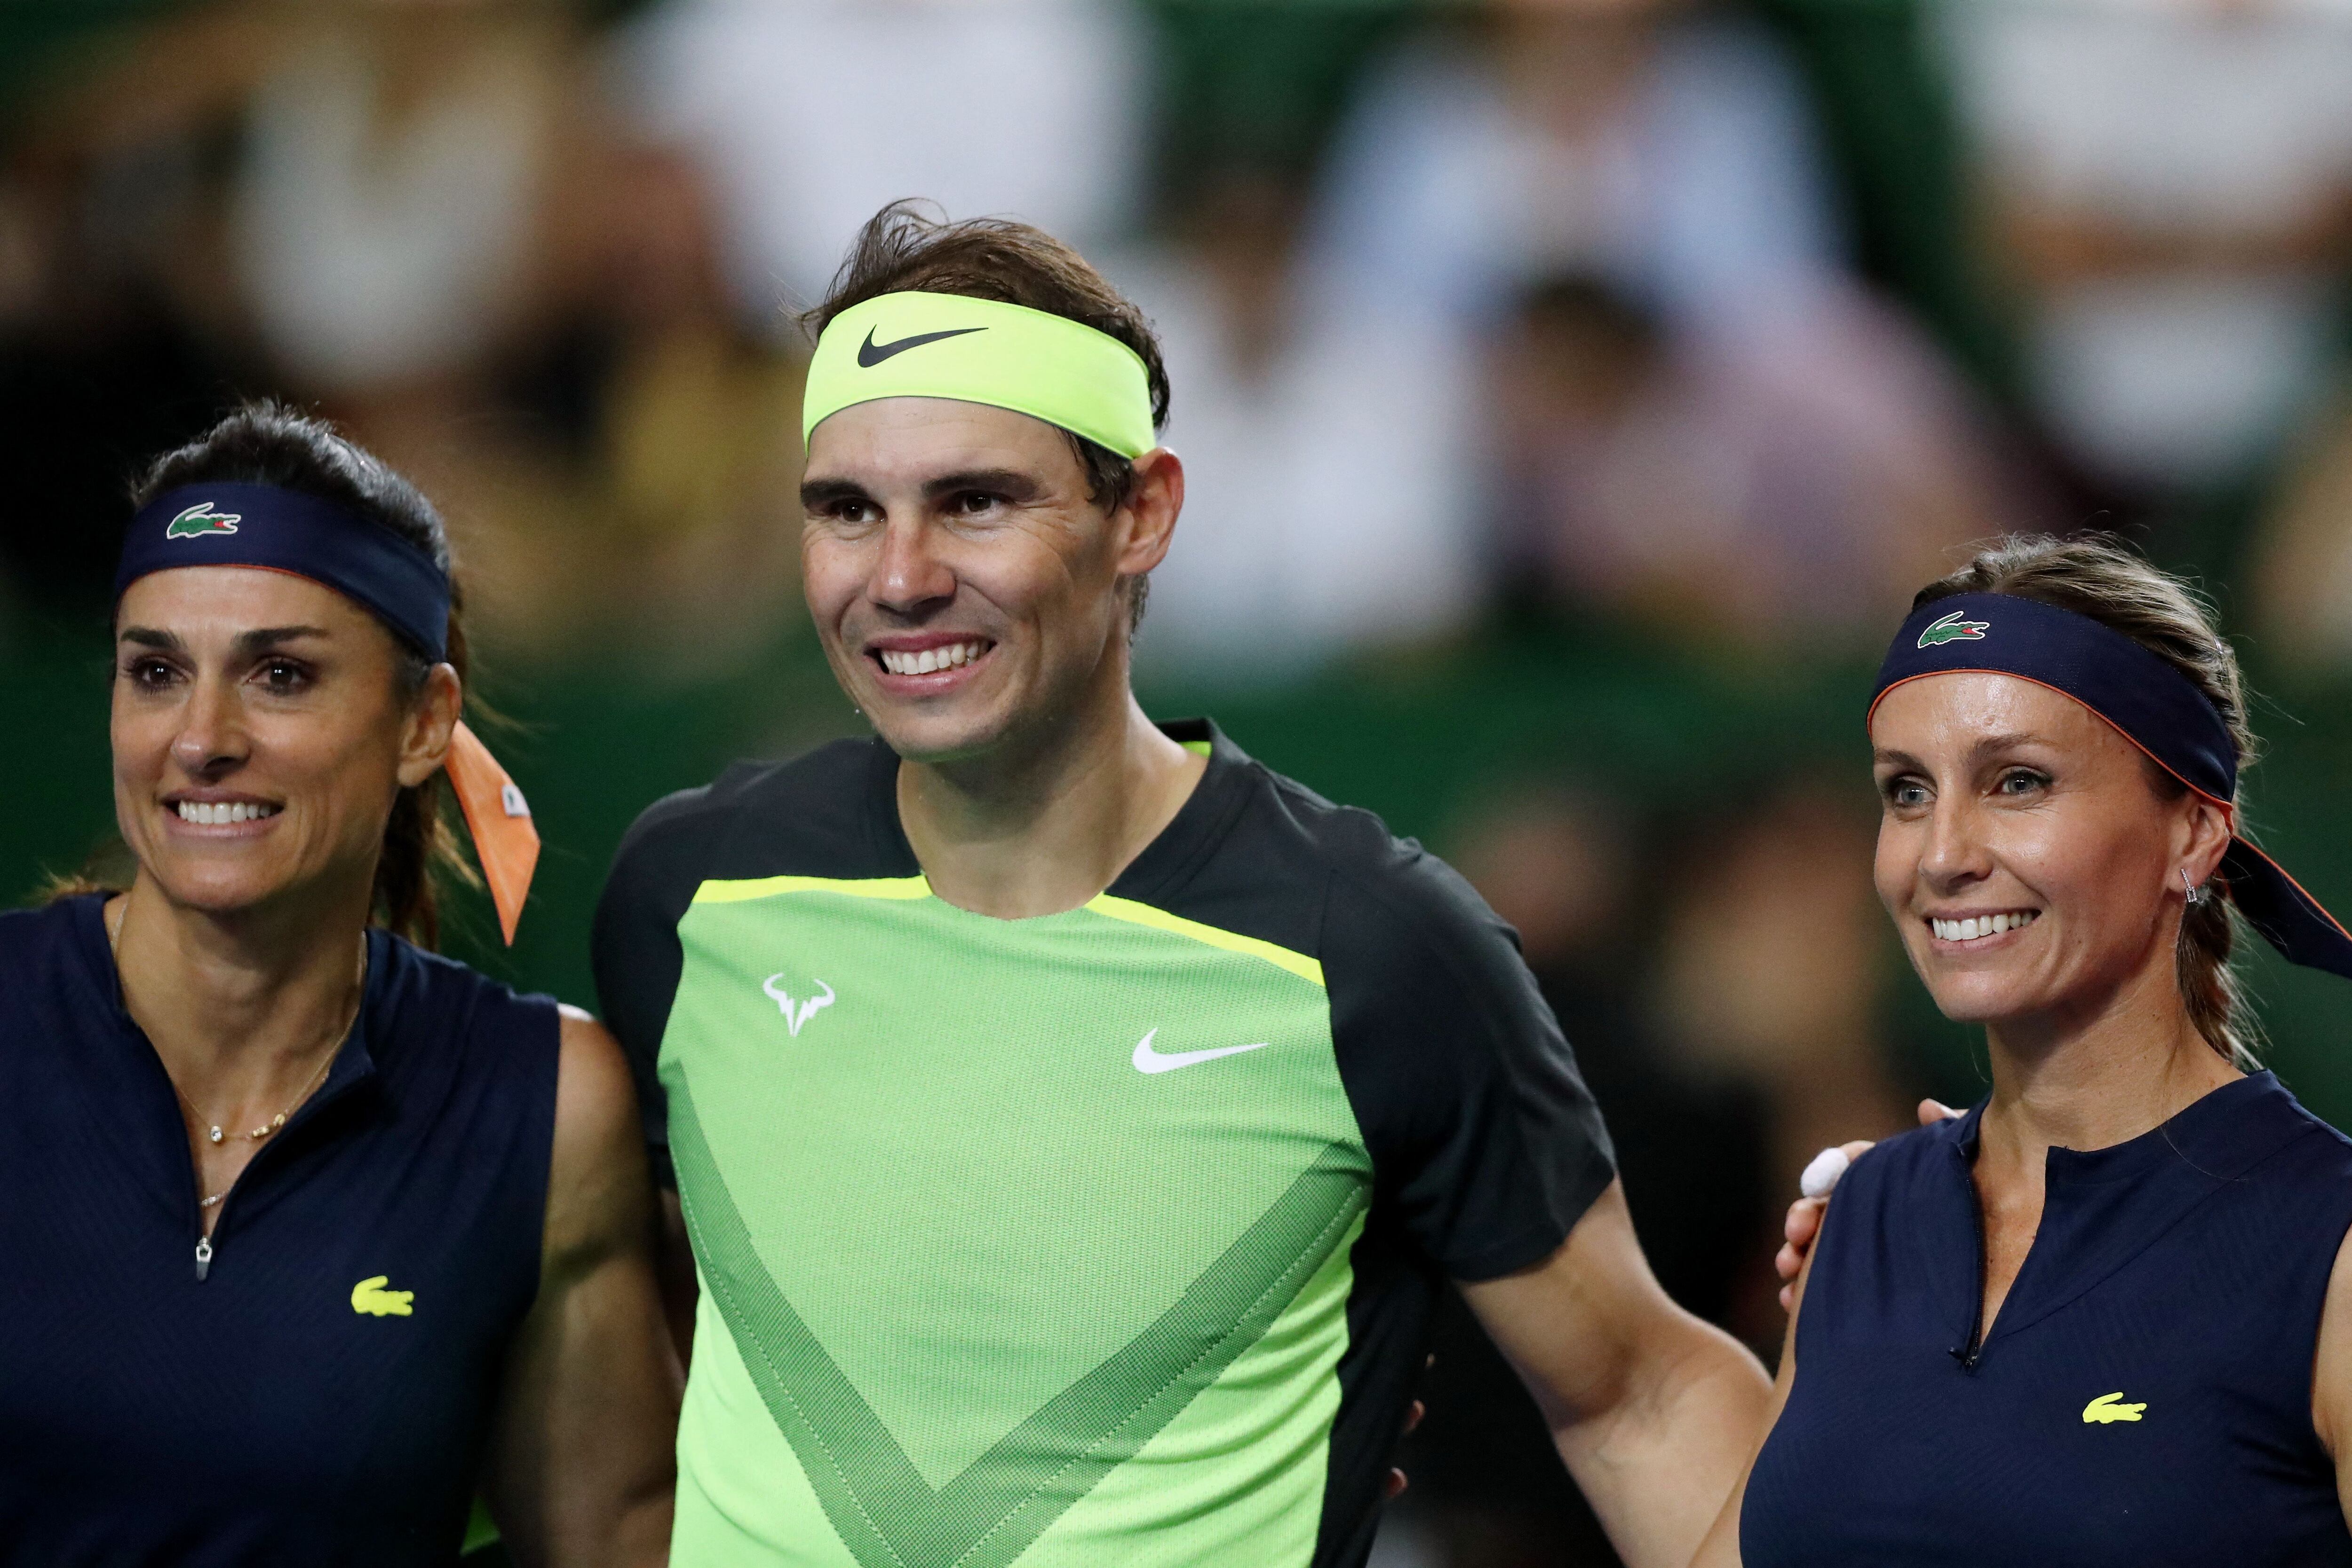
(1108, 1237)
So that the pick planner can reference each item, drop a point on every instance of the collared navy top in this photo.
(2144, 1396)
(282, 1409)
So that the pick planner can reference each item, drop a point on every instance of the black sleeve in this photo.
(1484, 1136)
(634, 946)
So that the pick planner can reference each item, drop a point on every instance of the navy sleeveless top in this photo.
(323, 1393)
(2144, 1396)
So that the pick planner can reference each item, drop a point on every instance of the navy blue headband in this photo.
(286, 531)
(2150, 703)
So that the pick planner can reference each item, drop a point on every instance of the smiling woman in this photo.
(313, 1233)
(326, 486)
(2121, 1284)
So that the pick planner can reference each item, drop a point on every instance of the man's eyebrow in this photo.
(816, 494)
(1010, 483)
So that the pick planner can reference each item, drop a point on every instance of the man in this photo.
(1075, 1120)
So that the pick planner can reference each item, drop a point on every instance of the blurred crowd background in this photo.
(1573, 393)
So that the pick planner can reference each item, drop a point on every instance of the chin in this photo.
(1978, 999)
(936, 737)
(217, 886)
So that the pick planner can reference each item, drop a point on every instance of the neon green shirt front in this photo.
(1044, 1241)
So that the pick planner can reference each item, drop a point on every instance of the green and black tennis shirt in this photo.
(1108, 1238)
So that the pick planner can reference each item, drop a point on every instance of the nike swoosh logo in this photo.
(870, 353)
(1146, 1060)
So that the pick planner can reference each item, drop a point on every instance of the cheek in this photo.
(348, 769)
(1894, 865)
(141, 740)
(1026, 577)
(830, 575)
(2104, 874)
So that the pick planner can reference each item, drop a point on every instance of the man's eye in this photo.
(973, 502)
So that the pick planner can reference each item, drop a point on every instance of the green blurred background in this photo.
(1625, 699)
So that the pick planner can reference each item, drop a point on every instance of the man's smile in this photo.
(928, 662)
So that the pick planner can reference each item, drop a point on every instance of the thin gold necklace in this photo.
(212, 1132)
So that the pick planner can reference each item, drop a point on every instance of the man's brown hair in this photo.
(906, 248)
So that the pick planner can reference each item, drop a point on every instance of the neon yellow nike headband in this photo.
(983, 350)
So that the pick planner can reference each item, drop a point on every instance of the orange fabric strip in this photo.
(505, 841)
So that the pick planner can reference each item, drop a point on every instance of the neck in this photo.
(226, 998)
(2097, 1078)
(1036, 827)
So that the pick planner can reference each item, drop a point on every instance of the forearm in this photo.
(1659, 1464)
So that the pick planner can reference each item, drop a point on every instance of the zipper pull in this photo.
(203, 1257)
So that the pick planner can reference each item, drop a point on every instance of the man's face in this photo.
(965, 587)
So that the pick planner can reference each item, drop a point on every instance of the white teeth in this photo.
(930, 658)
(1976, 926)
(210, 814)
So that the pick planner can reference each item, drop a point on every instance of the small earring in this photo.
(2196, 894)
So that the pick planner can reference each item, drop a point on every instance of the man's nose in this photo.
(212, 737)
(909, 574)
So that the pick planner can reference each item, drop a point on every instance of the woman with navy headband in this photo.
(309, 1235)
(2105, 1317)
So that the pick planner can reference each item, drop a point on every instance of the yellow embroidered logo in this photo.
(2104, 1410)
(369, 1296)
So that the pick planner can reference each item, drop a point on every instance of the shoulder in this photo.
(1287, 832)
(1397, 915)
(813, 815)
(30, 935)
(2319, 1144)
(2284, 1157)
(457, 1012)
(595, 1099)
(415, 970)
(59, 975)
(597, 1181)
(1888, 1167)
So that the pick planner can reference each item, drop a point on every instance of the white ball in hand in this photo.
(1823, 1174)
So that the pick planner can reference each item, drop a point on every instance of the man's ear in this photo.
(1150, 515)
(425, 742)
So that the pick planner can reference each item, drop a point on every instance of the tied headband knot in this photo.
(272, 529)
(2143, 698)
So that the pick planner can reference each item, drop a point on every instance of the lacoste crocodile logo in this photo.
(2103, 1411)
(796, 1013)
(1953, 629)
(200, 520)
(370, 1299)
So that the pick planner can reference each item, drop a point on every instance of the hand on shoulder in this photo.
(1821, 1178)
